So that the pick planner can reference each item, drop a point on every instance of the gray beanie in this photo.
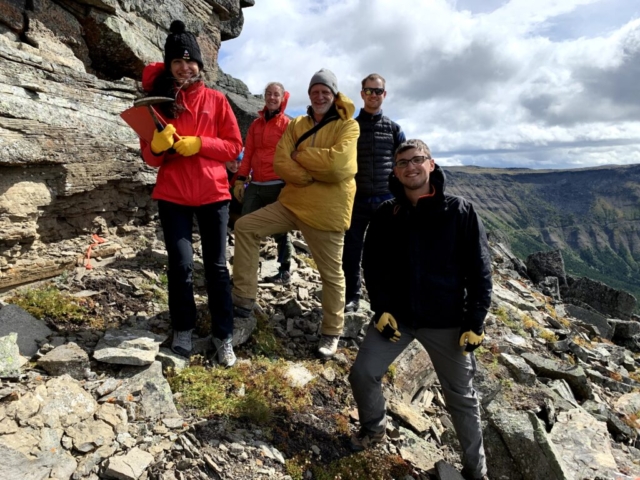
(325, 77)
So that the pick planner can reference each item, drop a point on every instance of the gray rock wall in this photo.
(69, 166)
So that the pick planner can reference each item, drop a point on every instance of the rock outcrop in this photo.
(69, 166)
(559, 401)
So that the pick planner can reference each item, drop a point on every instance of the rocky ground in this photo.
(90, 390)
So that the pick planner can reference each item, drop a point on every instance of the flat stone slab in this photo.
(410, 416)
(69, 359)
(128, 347)
(419, 452)
(130, 466)
(30, 330)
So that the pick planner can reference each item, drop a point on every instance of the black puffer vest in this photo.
(376, 145)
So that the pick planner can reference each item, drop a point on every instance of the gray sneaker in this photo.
(327, 346)
(181, 343)
(224, 352)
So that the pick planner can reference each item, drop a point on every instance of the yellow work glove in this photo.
(188, 146)
(470, 340)
(388, 327)
(163, 141)
(238, 189)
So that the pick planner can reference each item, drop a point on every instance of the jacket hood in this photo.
(150, 73)
(345, 106)
(283, 106)
(437, 179)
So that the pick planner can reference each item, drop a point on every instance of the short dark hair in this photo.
(412, 143)
(374, 76)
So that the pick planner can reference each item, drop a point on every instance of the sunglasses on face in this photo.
(371, 91)
(419, 160)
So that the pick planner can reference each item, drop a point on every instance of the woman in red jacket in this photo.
(200, 135)
(260, 147)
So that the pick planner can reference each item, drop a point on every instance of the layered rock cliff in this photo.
(69, 166)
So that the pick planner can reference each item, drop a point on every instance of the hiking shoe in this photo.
(242, 307)
(181, 343)
(224, 351)
(281, 278)
(327, 346)
(352, 306)
(365, 439)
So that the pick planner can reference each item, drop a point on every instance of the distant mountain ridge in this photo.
(591, 214)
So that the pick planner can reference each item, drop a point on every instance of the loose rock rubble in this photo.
(560, 399)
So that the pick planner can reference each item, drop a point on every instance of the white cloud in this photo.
(484, 82)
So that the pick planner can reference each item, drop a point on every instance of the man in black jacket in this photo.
(428, 272)
(379, 138)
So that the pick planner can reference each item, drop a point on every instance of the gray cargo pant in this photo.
(454, 370)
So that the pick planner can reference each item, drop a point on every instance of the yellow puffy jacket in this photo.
(320, 185)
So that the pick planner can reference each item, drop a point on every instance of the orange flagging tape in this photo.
(96, 241)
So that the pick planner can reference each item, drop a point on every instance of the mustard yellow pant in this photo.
(326, 250)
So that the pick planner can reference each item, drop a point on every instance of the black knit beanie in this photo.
(181, 44)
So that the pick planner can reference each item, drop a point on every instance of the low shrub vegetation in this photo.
(48, 303)
(257, 391)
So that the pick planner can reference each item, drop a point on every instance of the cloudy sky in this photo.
(496, 83)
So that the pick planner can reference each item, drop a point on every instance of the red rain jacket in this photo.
(260, 147)
(201, 178)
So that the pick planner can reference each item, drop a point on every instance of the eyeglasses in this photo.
(371, 91)
(419, 160)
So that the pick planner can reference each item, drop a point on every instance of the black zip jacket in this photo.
(428, 265)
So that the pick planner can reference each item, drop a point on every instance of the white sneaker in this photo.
(181, 343)
(328, 346)
(224, 352)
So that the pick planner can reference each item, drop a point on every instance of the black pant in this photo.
(177, 225)
(363, 210)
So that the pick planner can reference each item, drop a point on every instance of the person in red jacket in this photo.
(263, 136)
(200, 136)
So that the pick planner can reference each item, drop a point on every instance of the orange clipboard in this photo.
(139, 119)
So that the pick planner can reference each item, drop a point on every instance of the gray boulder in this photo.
(605, 330)
(524, 436)
(30, 330)
(69, 359)
(546, 264)
(145, 393)
(606, 300)
(574, 375)
(10, 358)
(584, 445)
